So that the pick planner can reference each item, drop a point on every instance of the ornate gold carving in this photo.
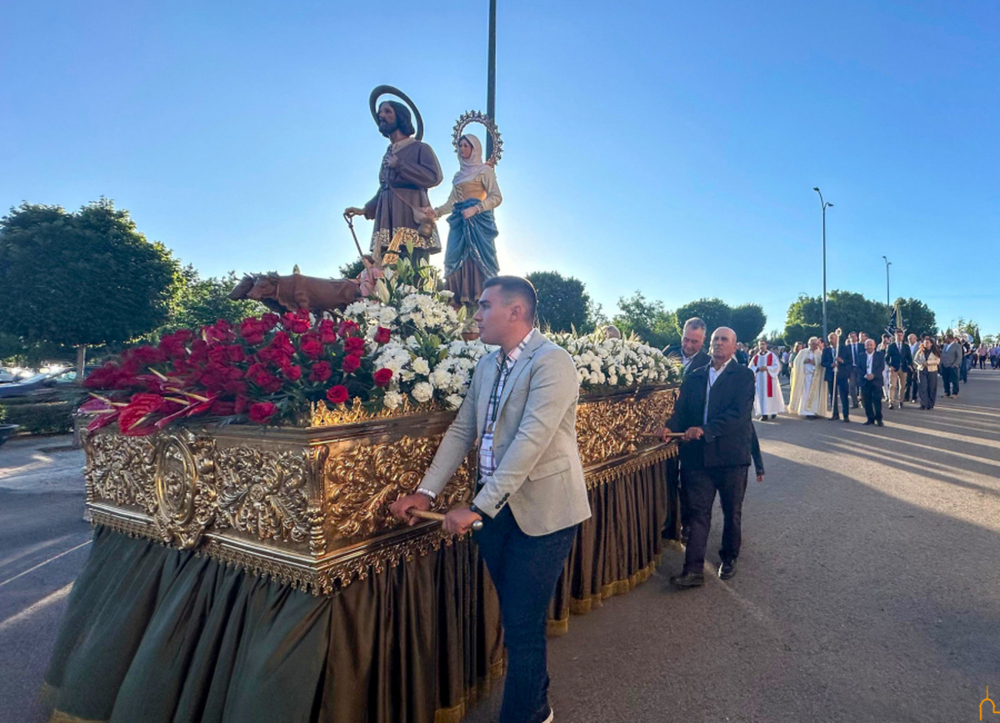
(262, 493)
(310, 507)
(185, 503)
(119, 470)
(363, 481)
(322, 416)
(616, 427)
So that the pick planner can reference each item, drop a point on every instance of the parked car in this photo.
(42, 385)
(8, 376)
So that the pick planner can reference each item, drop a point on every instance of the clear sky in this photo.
(670, 147)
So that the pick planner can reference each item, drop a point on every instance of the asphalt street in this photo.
(867, 587)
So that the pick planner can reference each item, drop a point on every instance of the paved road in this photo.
(867, 590)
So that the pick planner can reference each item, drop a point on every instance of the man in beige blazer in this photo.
(530, 492)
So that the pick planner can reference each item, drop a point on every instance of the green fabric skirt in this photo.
(153, 634)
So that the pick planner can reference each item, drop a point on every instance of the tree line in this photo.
(90, 278)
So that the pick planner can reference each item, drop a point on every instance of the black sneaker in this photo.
(688, 579)
(727, 569)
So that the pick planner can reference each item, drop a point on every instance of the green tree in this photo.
(748, 321)
(801, 332)
(648, 320)
(81, 279)
(714, 312)
(352, 269)
(200, 302)
(563, 303)
(846, 310)
(917, 317)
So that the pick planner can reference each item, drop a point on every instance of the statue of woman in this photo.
(471, 255)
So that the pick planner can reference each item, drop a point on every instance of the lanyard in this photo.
(502, 373)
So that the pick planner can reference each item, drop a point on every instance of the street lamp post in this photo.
(825, 206)
(888, 263)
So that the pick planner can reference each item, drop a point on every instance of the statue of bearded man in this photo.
(409, 168)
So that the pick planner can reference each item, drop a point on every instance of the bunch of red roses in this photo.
(268, 370)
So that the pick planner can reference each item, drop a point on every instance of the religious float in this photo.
(245, 565)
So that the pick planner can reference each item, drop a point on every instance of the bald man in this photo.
(714, 411)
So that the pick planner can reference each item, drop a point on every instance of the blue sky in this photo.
(663, 146)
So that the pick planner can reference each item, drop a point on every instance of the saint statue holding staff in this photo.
(408, 169)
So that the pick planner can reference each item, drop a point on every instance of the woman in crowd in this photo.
(886, 373)
(983, 353)
(926, 363)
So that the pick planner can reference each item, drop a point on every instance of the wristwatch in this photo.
(478, 511)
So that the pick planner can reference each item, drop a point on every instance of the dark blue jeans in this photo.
(524, 570)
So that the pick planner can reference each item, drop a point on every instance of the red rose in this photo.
(223, 409)
(321, 371)
(269, 321)
(354, 345)
(252, 330)
(311, 347)
(351, 363)
(327, 333)
(337, 394)
(260, 412)
(383, 377)
(382, 336)
(297, 321)
(294, 373)
(242, 404)
(347, 328)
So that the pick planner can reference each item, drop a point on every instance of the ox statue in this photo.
(296, 292)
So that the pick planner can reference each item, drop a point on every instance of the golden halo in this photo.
(474, 116)
(390, 90)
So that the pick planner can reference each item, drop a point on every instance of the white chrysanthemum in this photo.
(392, 400)
(440, 378)
(420, 366)
(454, 401)
(423, 392)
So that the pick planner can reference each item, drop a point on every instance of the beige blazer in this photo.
(539, 472)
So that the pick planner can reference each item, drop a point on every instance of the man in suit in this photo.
(692, 357)
(690, 350)
(530, 492)
(837, 357)
(855, 349)
(900, 360)
(872, 368)
(742, 356)
(714, 411)
(951, 361)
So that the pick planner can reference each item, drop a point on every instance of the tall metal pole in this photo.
(824, 205)
(491, 75)
(888, 300)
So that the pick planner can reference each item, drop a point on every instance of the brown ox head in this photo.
(265, 286)
(241, 289)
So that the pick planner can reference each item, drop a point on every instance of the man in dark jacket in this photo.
(714, 411)
(837, 363)
(900, 361)
(872, 366)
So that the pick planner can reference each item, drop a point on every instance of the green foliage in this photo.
(563, 303)
(352, 270)
(917, 317)
(81, 278)
(648, 320)
(714, 312)
(852, 312)
(748, 322)
(801, 332)
(43, 418)
(200, 302)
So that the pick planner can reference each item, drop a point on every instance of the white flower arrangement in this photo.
(432, 363)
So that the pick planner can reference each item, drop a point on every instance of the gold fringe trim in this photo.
(618, 587)
(558, 627)
(481, 690)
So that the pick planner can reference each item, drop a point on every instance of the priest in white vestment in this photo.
(808, 389)
(766, 366)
